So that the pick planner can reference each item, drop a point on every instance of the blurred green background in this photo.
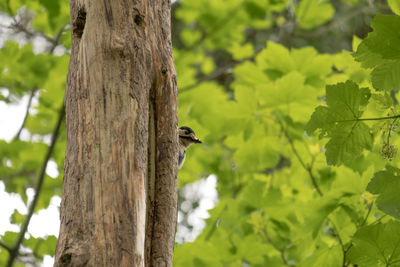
(250, 75)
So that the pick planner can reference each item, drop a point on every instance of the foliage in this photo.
(384, 184)
(297, 128)
(41, 77)
(340, 122)
(377, 245)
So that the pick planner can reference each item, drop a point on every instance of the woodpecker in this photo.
(186, 139)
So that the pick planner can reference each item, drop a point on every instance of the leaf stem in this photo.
(368, 213)
(372, 119)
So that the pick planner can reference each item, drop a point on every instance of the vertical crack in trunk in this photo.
(151, 175)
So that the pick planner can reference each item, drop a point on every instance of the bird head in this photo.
(187, 137)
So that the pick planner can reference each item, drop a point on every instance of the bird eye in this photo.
(187, 132)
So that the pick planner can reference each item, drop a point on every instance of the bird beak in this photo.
(194, 139)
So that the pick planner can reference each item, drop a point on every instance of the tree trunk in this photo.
(119, 202)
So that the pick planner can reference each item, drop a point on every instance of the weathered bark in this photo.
(119, 202)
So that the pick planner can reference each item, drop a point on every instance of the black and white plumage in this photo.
(186, 138)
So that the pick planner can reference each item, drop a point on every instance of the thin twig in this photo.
(30, 33)
(281, 250)
(308, 168)
(341, 243)
(21, 28)
(28, 106)
(56, 39)
(344, 264)
(15, 250)
(337, 236)
(366, 217)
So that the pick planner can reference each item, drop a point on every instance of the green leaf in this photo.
(385, 39)
(386, 184)
(316, 216)
(381, 51)
(312, 13)
(21, 69)
(190, 37)
(3, 255)
(386, 76)
(367, 57)
(240, 52)
(339, 122)
(254, 9)
(395, 6)
(325, 256)
(310, 63)
(9, 238)
(47, 246)
(17, 218)
(376, 245)
(347, 142)
(275, 57)
(383, 101)
(257, 153)
(42, 246)
(52, 6)
(251, 248)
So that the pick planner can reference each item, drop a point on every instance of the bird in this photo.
(187, 137)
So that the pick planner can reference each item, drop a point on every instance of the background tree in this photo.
(252, 79)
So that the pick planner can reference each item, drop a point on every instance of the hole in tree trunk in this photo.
(79, 24)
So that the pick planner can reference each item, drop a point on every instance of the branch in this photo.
(56, 40)
(33, 92)
(29, 33)
(15, 250)
(5, 246)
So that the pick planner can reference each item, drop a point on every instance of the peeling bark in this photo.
(119, 204)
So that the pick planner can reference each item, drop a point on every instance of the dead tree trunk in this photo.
(119, 202)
